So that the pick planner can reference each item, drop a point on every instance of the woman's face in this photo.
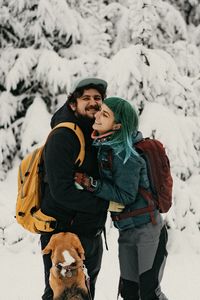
(104, 120)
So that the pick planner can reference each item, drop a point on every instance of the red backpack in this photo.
(161, 182)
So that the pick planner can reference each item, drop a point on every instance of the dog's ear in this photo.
(46, 250)
(80, 250)
(79, 247)
(82, 256)
(50, 246)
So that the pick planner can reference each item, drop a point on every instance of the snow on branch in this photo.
(146, 75)
(11, 29)
(187, 57)
(8, 108)
(177, 133)
(54, 75)
(25, 61)
(153, 23)
(35, 126)
(7, 151)
(171, 22)
(56, 15)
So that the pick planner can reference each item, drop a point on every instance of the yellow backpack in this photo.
(28, 212)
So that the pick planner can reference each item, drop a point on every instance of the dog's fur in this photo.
(74, 293)
(66, 245)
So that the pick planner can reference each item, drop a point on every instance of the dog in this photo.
(67, 274)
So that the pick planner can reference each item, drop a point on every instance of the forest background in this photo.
(147, 50)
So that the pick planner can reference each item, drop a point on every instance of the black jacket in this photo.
(80, 210)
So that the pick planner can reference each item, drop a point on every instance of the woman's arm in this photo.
(123, 187)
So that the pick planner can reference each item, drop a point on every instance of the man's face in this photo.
(88, 104)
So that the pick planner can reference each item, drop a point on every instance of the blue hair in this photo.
(122, 139)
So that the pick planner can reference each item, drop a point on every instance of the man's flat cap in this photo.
(90, 81)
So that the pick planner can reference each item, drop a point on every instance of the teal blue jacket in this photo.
(120, 182)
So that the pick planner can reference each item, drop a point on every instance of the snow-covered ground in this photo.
(22, 272)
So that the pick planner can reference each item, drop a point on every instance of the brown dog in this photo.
(67, 255)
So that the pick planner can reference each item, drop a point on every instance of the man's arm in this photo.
(61, 152)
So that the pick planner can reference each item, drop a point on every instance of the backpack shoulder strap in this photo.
(76, 129)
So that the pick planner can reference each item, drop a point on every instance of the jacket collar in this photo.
(102, 137)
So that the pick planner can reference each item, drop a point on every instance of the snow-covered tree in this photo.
(186, 56)
(190, 9)
(152, 23)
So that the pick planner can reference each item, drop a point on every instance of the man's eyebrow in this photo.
(88, 96)
(85, 96)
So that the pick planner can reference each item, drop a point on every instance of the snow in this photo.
(22, 272)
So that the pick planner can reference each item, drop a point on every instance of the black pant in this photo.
(93, 255)
(148, 287)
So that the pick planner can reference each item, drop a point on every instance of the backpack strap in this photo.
(151, 205)
(135, 212)
(139, 211)
(76, 129)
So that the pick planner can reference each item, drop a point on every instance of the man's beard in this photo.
(95, 107)
(86, 120)
(86, 126)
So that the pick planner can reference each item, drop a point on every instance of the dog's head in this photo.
(67, 255)
(65, 247)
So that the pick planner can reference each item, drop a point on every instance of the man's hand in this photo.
(85, 181)
(115, 207)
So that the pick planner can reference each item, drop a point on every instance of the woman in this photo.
(142, 244)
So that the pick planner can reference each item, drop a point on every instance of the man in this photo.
(75, 211)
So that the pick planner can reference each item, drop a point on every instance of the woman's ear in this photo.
(117, 126)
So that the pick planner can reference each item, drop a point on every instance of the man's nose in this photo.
(93, 101)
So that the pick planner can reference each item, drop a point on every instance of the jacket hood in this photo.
(63, 114)
(138, 137)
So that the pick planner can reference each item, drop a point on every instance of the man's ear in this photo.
(73, 106)
(117, 126)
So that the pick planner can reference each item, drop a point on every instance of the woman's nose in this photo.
(97, 114)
